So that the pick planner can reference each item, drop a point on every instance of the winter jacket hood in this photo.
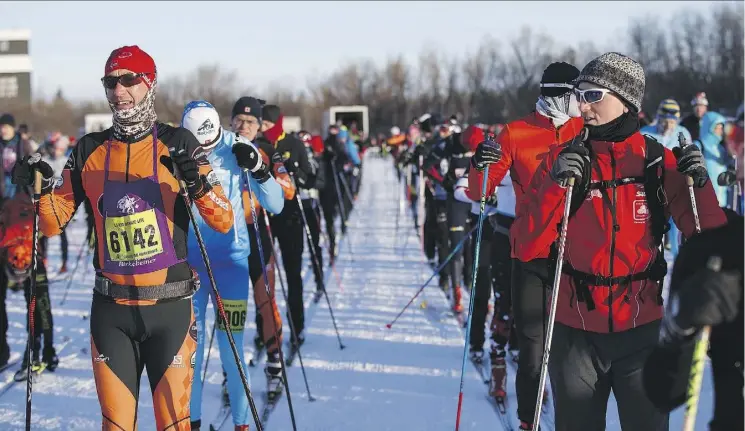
(715, 153)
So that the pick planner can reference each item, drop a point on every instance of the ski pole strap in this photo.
(173, 290)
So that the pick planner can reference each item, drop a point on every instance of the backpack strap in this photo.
(654, 178)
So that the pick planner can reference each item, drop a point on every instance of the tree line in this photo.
(493, 82)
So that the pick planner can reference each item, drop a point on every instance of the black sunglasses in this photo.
(127, 80)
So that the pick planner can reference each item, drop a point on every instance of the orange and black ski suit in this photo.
(141, 315)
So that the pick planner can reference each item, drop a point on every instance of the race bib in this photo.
(235, 311)
(133, 237)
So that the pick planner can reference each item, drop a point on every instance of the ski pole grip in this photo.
(689, 180)
(570, 181)
(37, 183)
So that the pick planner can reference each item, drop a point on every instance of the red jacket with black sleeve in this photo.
(525, 143)
(609, 237)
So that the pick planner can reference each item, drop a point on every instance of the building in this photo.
(15, 67)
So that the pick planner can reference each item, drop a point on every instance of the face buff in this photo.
(559, 109)
(135, 121)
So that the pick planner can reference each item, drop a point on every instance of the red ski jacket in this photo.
(525, 143)
(619, 251)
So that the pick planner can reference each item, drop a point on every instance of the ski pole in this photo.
(554, 300)
(346, 188)
(270, 295)
(284, 293)
(342, 209)
(315, 258)
(482, 208)
(689, 181)
(35, 158)
(218, 297)
(434, 273)
(699, 353)
(74, 270)
(421, 202)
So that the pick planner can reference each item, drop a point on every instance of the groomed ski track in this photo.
(404, 378)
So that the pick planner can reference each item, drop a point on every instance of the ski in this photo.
(35, 373)
(270, 402)
(222, 417)
(482, 369)
(500, 407)
(9, 365)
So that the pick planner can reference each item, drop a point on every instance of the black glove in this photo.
(290, 166)
(691, 162)
(491, 200)
(449, 180)
(707, 298)
(247, 156)
(23, 172)
(487, 152)
(727, 178)
(189, 172)
(571, 162)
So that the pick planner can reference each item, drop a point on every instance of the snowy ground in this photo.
(404, 378)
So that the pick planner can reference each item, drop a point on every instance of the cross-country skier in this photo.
(16, 242)
(228, 155)
(610, 301)
(704, 297)
(141, 315)
(494, 270)
(309, 198)
(246, 122)
(334, 158)
(56, 157)
(287, 226)
(445, 163)
(700, 105)
(711, 141)
(520, 147)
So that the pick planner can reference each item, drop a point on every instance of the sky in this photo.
(287, 42)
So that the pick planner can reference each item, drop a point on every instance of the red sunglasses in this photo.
(127, 80)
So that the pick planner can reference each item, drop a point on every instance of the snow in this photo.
(403, 378)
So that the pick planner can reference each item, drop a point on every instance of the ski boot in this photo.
(498, 382)
(224, 396)
(49, 358)
(476, 355)
(273, 373)
(196, 425)
(4, 355)
(36, 367)
(258, 341)
(457, 306)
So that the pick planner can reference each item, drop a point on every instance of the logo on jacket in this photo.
(128, 204)
(594, 193)
(193, 330)
(641, 211)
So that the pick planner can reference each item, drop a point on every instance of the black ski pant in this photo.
(531, 284)
(436, 236)
(63, 245)
(329, 201)
(313, 215)
(458, 226)
(288, 230)
(494, 273)
(585, 366)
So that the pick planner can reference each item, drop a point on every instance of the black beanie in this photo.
(558, 78)
(249, 106)
(8, 120)
(271, 113)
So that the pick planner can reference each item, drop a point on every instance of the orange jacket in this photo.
(597, 245)
(525, 143)
(83, 179)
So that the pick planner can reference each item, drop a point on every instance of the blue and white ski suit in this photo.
(716, 156)
(228, 254)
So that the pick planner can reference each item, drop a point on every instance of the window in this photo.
(4, 45)
(8, 87)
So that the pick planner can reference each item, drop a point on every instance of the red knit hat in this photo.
(134, 59)
(316, 142)
(472, 137)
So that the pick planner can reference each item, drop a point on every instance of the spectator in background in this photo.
(29, 144)
(692, 122)
(56, 157)
(12, 149)
(717, 158)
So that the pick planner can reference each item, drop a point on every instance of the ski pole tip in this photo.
(388, 325)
